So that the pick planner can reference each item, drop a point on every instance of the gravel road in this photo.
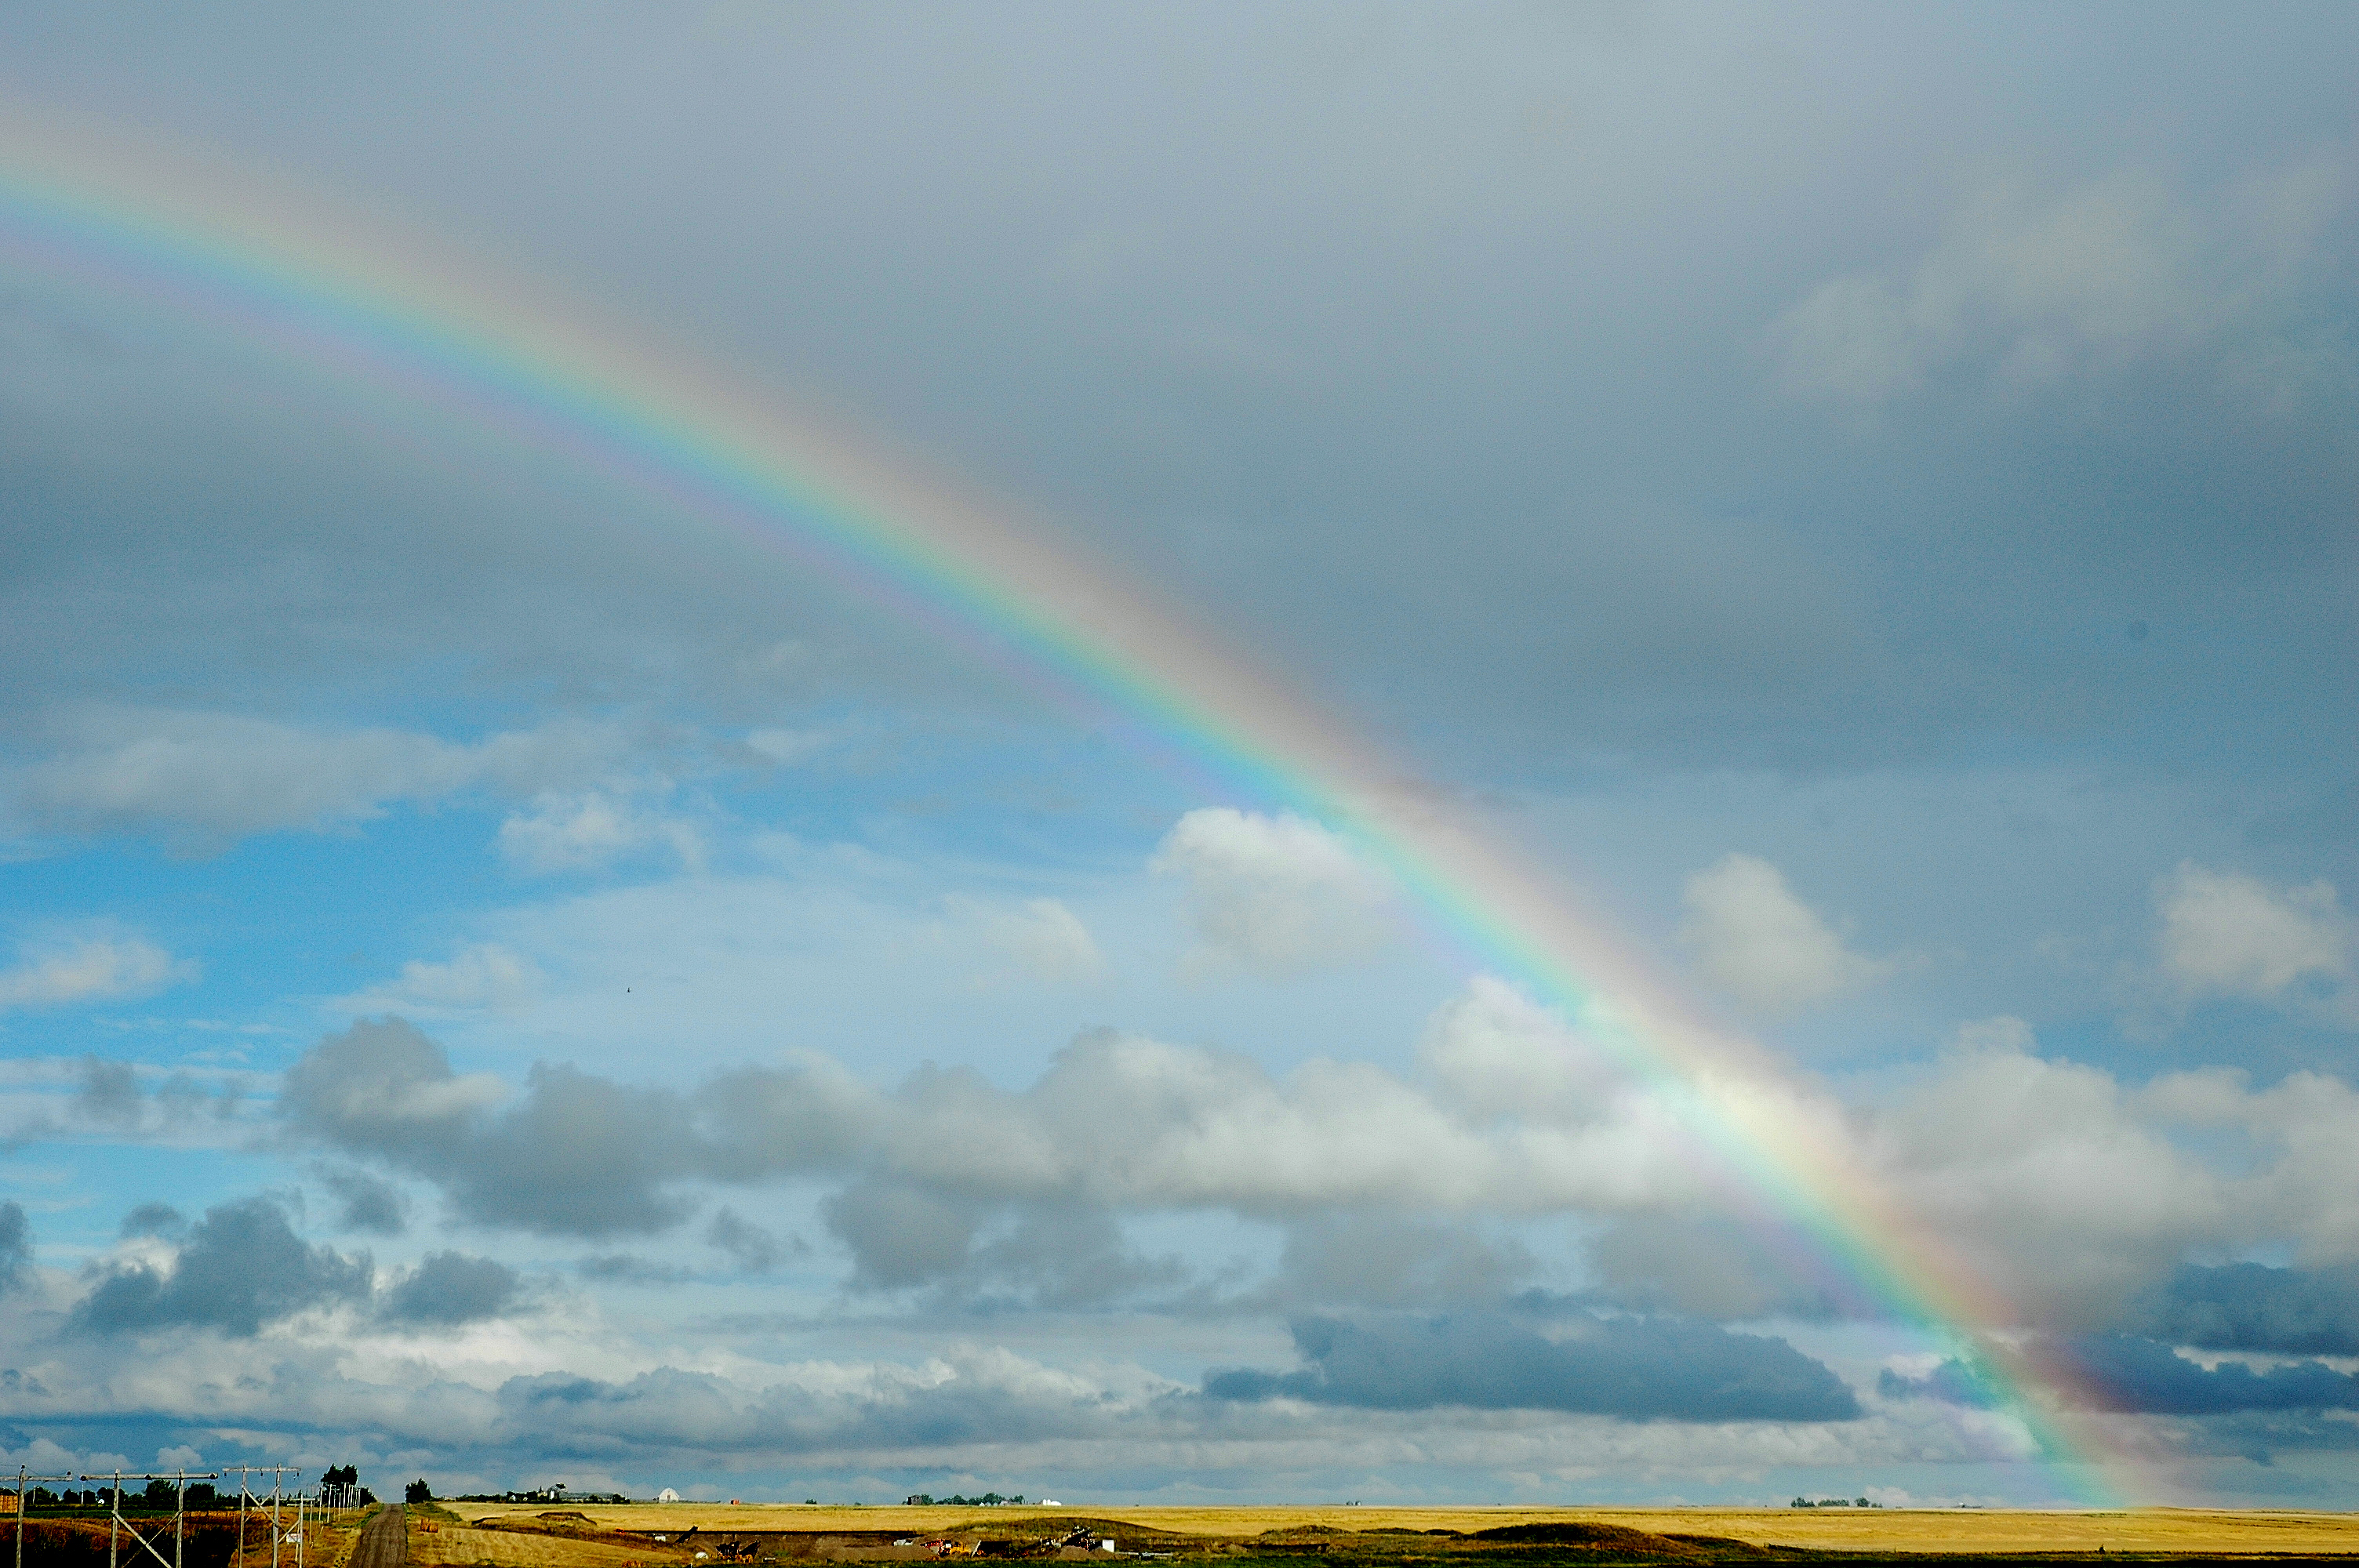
(385, 1540)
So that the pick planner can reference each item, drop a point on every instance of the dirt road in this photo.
(385, 1540)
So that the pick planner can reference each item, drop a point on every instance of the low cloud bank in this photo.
(1637, 1367)
(2249, 1306)
(2123, 1373)
(2076, 1196)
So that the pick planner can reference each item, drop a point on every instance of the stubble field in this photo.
(1977, 1531)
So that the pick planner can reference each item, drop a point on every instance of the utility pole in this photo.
(245, 1500)
(114, 1514)
(25, 1501)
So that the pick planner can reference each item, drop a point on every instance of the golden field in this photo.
(454, 1544)
(1855, 1529)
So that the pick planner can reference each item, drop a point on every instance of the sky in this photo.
(511, 977)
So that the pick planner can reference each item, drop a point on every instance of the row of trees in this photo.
(157, 1497)
(988, 1499)
(162, 1497)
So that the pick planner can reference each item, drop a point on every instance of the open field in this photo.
(1978, 1531)
(511, 1549)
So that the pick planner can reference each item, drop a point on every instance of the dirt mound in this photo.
(1617, 1540)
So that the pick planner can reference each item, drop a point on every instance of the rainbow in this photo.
(337, 292)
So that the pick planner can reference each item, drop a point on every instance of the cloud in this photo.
(108, 1093)
(1041, 1254)
(1118, 1121)
(585, 831)
(487, 975)
(962, 1398)
(2067, 1192)
(2123, 1372)
(2250, 1306)
(1396, 1261)
(1040, 937)
(382, 1088)
(369, 1203)
(1710, 1266)
(784, 748)
(2025, 290)
(15, 1247)
(1763, 946)
(576, 1155)
(448, 1288)
(900, 1234)
(206, 777)
(1274, 895)
(241, 1267)
(756, 1251)
(1951, 1382)
(91, 968)
(154, 1219)
(1639, 1368)
(2227, 934)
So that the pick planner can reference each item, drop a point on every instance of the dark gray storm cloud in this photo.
(1640, 1369)
(154, 1219)
(15, 1247)
(241, 1266)
(2250, 1306)
(450, 1288)
(2123, 1372)
(366, 1202)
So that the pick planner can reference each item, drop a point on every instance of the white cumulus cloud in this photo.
(571, 832)
(2227, 934)
(1763, 946)
(1040, 937)
(487, 975)
(1274, 895)
(91, 968)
